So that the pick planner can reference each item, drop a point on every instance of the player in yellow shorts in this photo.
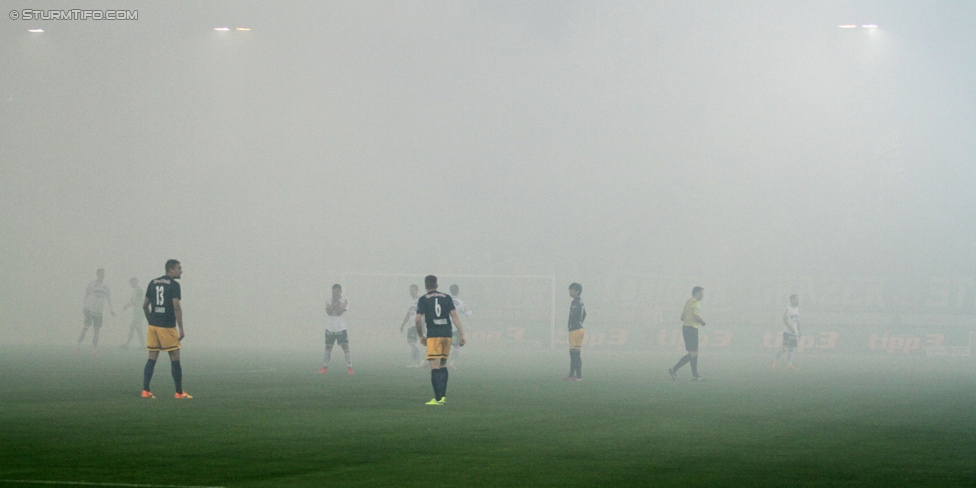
(436, 311)
(577, 314)
(164, 313)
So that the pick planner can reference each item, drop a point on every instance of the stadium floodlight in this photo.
(847, 26)
(35, 30)
(870, 26)
(243, 28)
(221, 28)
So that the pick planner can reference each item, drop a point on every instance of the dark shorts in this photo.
(93, 319)
(691, 338)
(332, 337)
(412, 334)
(789, 341)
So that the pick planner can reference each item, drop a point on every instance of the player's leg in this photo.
(153, 346)
(575, 363)
(691, 344)
(176, 369)
(790, 344)
(415, 354)
(330, 340)
(84, 330)
(97, 329)
(137, 326)
(779, 354)
(438, 349)
(344, 344)
(133, 326)
(170, 342)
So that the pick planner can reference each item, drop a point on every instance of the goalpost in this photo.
(516, 309)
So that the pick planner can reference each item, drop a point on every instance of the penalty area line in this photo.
(221, 373)
(86, 483)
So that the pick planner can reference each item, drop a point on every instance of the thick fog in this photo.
(634, 147)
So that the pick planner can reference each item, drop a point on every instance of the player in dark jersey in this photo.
(436, 311)
(164, 313)
(577, 314)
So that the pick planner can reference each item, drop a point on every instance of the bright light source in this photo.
(221, 28)
(243, 28)
(847, 26)
(35, 30)
(870, 26)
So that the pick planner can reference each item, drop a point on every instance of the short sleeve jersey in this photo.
(337, 323)
(692, 308)
(436, 308)
(461, 307)
(95, 296)
(792, 320)
(577, 314)
(161, 292)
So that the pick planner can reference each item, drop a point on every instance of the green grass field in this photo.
(264, 418)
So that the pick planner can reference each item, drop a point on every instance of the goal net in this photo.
(506, 309)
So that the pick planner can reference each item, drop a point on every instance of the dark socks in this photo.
(177, 375)
(147, 374)
(683, 361)
(438, 379)
(443, 382)
(575, 363)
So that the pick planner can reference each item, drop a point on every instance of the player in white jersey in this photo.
(96, 295)
(335, 328)
(412, 339)
(463, 309)
(791, 332)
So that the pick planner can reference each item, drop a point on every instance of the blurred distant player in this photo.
(577, 314)
(412, 338)
(791, 332)
(463, 309)
(138, 316)
(436, 311)
(335, 329)
(164, 313)
(96, 295)
(691, 319)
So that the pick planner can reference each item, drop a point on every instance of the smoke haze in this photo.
(610, 143)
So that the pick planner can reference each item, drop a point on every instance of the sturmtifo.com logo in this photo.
(74, 14)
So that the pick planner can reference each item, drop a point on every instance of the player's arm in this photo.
(108, 298)
(786, 317)
(405, 319)
(145, 307)
(457, 323)
(178, 311)
(342, 306)
(699, 319)
(419, 324)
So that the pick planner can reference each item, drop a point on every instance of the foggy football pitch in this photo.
(263, 418)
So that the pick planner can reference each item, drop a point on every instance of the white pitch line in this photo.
(252, 371)
(85, 483)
